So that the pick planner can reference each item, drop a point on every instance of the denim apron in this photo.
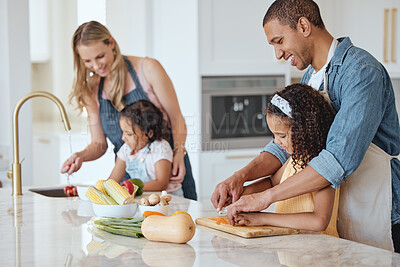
(365, 201)
(137, 168)
(109, 118)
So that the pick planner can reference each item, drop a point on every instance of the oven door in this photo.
(233, 113)
(235, 121)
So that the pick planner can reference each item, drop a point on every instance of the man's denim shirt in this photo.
(362, 95)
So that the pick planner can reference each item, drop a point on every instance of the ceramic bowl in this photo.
(81, 189)
(115, 211)
(162, 209)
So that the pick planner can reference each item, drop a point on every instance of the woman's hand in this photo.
(72, 164)
(248, 203)
(178, 168)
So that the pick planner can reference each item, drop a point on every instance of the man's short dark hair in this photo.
(288, 12)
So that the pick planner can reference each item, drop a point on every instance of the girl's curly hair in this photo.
(311, 119)
(148, 118)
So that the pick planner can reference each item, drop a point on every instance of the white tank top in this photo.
(317, 77)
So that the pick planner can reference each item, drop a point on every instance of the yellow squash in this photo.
(179, 228)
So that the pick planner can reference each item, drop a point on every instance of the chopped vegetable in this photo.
(220, 220)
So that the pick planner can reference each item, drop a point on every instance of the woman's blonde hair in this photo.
(89, 33)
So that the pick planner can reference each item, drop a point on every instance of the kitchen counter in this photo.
(40, 231)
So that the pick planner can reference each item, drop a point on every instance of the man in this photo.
(361, 93)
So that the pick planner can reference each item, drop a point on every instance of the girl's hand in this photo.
(72, 164)
(248, 203)
(250, 219)
(178, 168)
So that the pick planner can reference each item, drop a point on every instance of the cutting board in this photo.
(245, 231)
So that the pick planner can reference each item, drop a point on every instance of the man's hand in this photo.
(248, 203)
(227, 191)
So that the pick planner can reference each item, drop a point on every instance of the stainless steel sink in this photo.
(49, 191)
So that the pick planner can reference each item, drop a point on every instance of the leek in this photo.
(120, 226)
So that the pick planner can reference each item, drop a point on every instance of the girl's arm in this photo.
(163, 170)
(164, 89)
(118, 172)
(317, 220)
(265, 183)
(96, 148)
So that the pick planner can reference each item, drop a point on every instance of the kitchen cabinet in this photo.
(232, 39)
(217, 166)
(375, 28)
(39, 31)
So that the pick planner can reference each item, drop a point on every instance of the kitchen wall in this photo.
(15, 81)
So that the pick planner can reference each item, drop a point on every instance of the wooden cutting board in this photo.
(245, 231)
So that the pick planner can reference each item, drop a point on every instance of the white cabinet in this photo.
(50, 150)
(232, 39)
(216, 166)
(373, 26)
(39, 31)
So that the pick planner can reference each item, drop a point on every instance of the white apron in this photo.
(365, 202)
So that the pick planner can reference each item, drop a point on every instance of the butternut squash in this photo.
(179, 228)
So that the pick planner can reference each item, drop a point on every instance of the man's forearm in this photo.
(305, 181)
(263, 165)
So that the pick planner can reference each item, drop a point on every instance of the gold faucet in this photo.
(15, 172)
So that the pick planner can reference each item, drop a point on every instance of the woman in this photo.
(105, 82)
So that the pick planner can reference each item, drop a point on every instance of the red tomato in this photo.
(70, 191)
(129, 186)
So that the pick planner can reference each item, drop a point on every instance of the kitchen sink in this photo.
(49, 191)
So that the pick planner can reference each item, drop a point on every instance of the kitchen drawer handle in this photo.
(241, 157)
(44, 140)
(385, 34)
(393, 39)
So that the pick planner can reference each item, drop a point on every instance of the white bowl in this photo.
(115, 211)
(161, 209)
(81, 189)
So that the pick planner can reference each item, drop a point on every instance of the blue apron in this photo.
(109, 118)
(137, 168)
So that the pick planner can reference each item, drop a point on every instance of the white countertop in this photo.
(40, 231)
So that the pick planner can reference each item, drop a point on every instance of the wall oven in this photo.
(233, 114)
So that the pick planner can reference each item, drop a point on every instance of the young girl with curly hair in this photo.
(146, 153)
(299, 118)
